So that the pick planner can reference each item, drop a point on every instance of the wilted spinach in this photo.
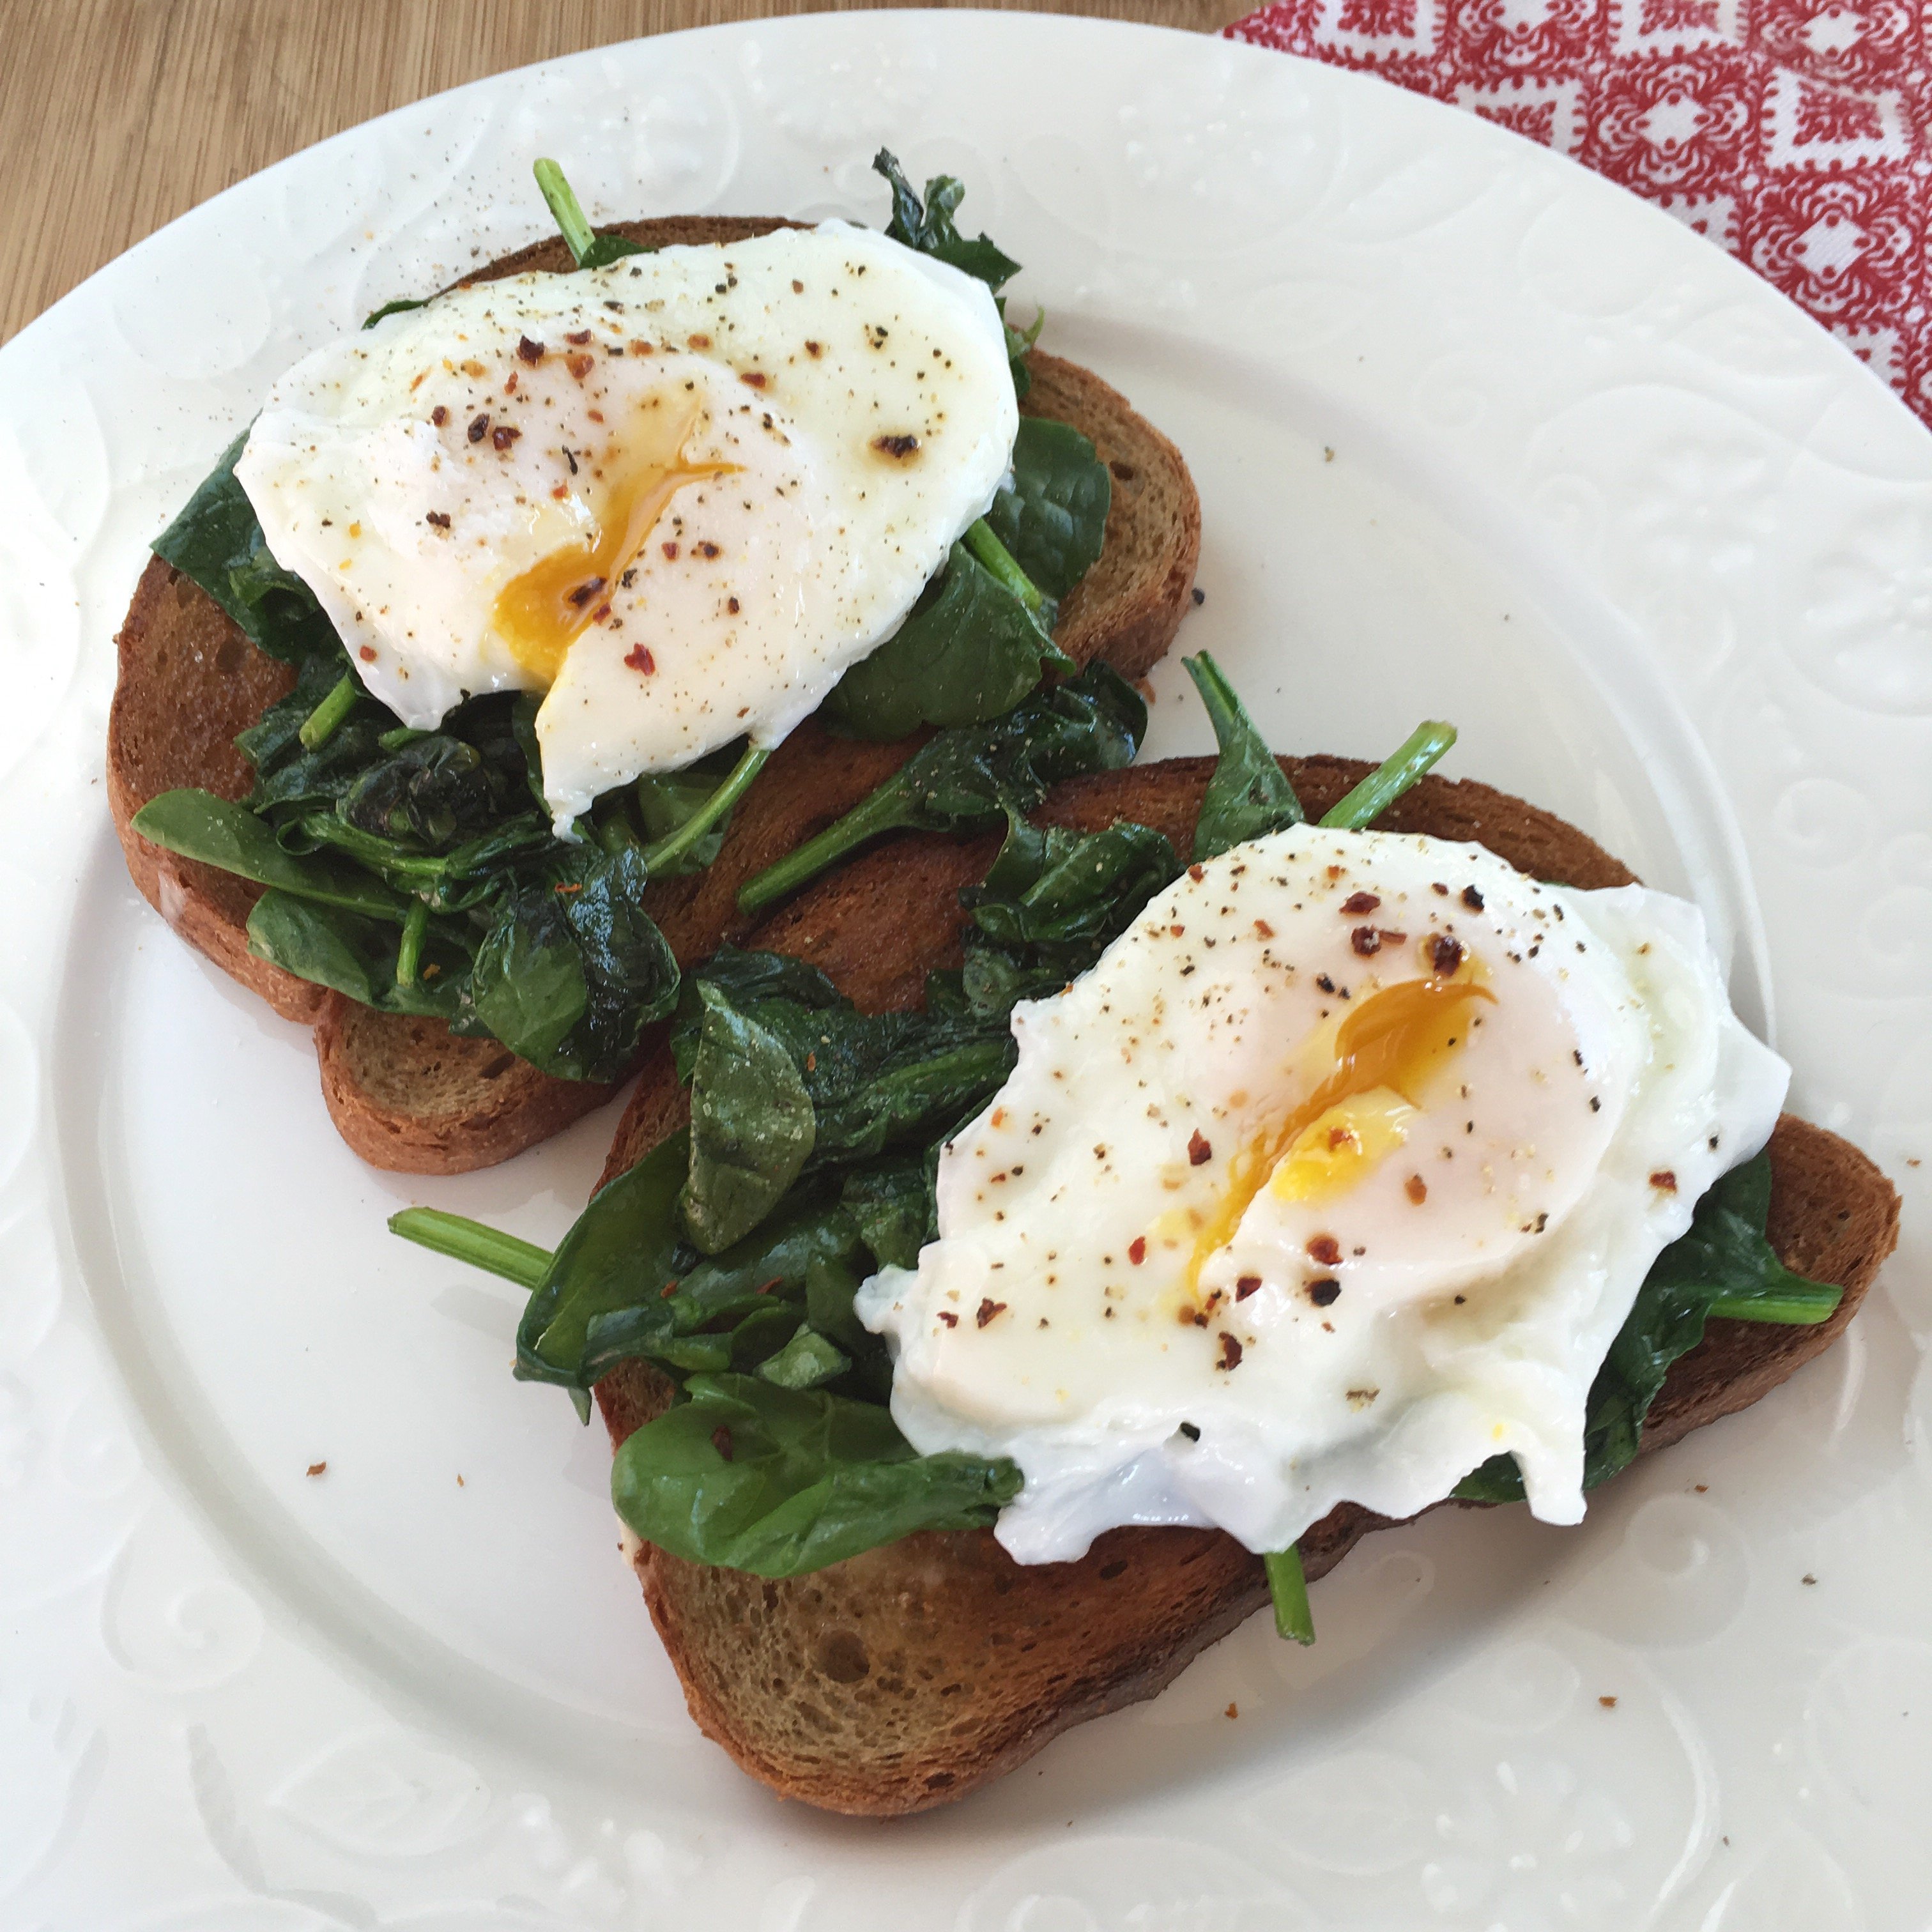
(1722, 1265)
(1052, 517)
(973, 776)
(780, 1481)
(1248, 794)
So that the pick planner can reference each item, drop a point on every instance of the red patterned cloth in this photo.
(1792, 133)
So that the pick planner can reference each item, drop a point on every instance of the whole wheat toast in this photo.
(906, 1677)
(406, 1093)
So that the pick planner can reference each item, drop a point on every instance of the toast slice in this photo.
(405, 1093)
(906, 1677)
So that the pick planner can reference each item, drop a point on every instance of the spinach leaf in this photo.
(969, 651)
(929, 227)
(781, 1481)
(892, 1203)
(401, 306)
(1722, 1264)
(807, 1360)
(571, 969)
(1052, 517)
(358, 956)
(972, 776)
(1248, 794)
(751, 1125)
(1053, 902)
(433, 791)
(217, 542)
(218, 832)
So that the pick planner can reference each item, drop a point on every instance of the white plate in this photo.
(1477, 436)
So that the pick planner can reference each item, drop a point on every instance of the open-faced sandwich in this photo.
(1032, 1251)
(527, 626)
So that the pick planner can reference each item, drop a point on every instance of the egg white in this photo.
(1479, 1267)
(844, 404)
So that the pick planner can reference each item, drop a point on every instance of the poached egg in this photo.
(1337, 1175)
(679, 495)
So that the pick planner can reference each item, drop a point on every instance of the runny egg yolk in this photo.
(542, 612)
(1379, 1060)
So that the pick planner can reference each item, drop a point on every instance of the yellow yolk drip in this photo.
(1383, 1054)
(541, 613)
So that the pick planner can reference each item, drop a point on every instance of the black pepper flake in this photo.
(528, 351)
(440, 518)
(1445, 954)
(1322, 980)
(1200, 596)
(585, 591)
(1366, 940)
(439, 415)
(1323, 1291)
(1188, 1429)
(1472, 898)
(479, 428)
(1361, 902)
(899, 447)
(706, 550)
(503, 437)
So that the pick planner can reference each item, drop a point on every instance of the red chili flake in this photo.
(318, 1469)
(812, 350)
(639, 346)
(951, 1320)
(1472, 898)
(440, 518)
(721, 1441)
(766, 1287)
(367, 653)
(1365, 939)
(639, 658)
(1245, 1286)
(1326, 1250)
(528, 351)
(1393, 938)
(1666, 1179)
(665, 1293)
(901, 446)
(1137, 1250)
(987, 1309)
(1361, 902)
(601, 614)
(1263, 930)
(1323, 1291)
(585, 591)
(697, 341)
(439, 415)
(811, 1063)
(1445, 954)
(706, 549)
(731, 605)
(755, 377)
(510, 384)
(1198, 1151)
(1231, 1352)
(580, 364)
(1335, 871)
(1417, 1188)
(569, 889)
(670, 550)
(479, 428)
(577, 337)
(1440, 890)
(1175, 931)
(502, 438)
(1196, 873)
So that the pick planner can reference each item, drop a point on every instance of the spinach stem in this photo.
(881, 812)
(981, 541)
(564, 210)
(523, 1262)
(403, 734)
(319, 726)
(1289, 1587)
(409, 948)
(675, 843)
(1795, 1307)
(1390, 779)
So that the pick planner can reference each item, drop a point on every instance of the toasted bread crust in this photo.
(910, 1675)
(404, 1093)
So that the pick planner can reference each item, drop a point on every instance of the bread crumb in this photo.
(1608, 1703)
(1701, 1488)
(1808, 1578)
(1145, 689)
(318, 1469)
(1234, 1711)
(459, 1481)
(1327, 455)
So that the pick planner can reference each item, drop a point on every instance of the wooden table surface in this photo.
(116, 115)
